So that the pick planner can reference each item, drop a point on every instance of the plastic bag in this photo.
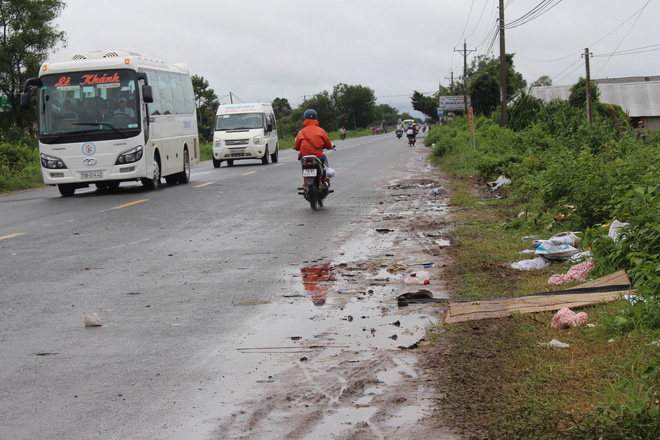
(329, 172)
(535, 263)
(567, 318)
(577, 273)
(568, 238)
(551, 251)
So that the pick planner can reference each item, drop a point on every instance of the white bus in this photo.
(111, 117)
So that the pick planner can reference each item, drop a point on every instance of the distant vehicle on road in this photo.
(245, 131)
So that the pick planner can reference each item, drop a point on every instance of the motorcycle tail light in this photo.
(309, 162)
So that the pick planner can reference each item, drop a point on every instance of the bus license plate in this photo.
(92, 175)
(309, 172)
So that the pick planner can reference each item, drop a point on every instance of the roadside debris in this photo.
(416, 280)
(92, 320)
(577, 273)
(419, 297)
(567, 318)
(502, 180)
(533, 264)
(554, 343)
(609, 288)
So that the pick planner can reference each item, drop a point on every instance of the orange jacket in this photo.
(312, 133)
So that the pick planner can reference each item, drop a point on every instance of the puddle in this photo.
(317, 282)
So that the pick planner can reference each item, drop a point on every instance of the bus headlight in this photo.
(51, 162)
(256, 140)
(130, 156)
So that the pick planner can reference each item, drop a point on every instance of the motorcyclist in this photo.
(312, 139)
(342, 133)
(411, 132)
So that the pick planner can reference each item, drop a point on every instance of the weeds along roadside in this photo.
(497, 380)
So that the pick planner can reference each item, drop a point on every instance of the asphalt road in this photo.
(167, 273)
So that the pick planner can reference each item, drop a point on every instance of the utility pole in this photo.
(502, 68)
(231, 98)
(587, 54)
(452, 78)
(465, 52)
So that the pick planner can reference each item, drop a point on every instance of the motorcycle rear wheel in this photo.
(312, 196)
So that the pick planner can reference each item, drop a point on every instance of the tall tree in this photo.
(578, 95)
(282, 107)
(543, 81)
(484, 83)
(28, 35)
(425, 104)
(386, 113)
(355, 103)
(207, 104)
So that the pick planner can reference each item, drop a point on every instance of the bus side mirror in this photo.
(147, 94)
(25, 100)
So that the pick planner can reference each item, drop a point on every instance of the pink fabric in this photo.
(577, 273)
(566, 318)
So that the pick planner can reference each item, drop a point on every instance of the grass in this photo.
(498, 382)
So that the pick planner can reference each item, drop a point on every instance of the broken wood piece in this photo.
(503, 307)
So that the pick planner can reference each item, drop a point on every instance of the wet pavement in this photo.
(334, 356)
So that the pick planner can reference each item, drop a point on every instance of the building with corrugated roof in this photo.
(639, 96)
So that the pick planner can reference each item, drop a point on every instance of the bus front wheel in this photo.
(66, 190)
(154, 183)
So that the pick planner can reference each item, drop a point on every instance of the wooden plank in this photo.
(502, 307)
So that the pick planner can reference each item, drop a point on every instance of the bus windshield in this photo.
(103, 102)
(239, 121)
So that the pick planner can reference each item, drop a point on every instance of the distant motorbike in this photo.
(342, 135)
(411, 140)
(314, 189)
(399, 133)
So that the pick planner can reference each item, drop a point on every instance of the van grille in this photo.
(237, 142)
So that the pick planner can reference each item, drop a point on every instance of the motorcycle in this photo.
(411, 140)
(342, 135)
(315, 189)
(399, 133)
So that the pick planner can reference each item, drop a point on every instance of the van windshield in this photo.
(244, 121)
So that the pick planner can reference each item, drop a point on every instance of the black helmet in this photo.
(310, 114)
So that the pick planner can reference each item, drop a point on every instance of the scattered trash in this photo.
(416, 280)
(303, 359)
(395, 268)
(567, 318)
(614, 229)
(580, 256)
(417, 344)
(92, 320)
(384, 230)
(397, 323)
(296, 338)
(502, 180)
(530, 237)
(577, 273)
(568, 238)
(554, 343)
(533, 264)
(419, 297)
(553, 251)
(393, 337)
(525, 214)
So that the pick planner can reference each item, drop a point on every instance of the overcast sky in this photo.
(260, 50)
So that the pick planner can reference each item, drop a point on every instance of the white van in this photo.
(245, 131)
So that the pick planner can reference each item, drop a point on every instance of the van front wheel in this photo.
(275, 156)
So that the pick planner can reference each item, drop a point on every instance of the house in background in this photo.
(639, 96)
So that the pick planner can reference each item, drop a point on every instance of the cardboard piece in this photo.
(502, 307)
